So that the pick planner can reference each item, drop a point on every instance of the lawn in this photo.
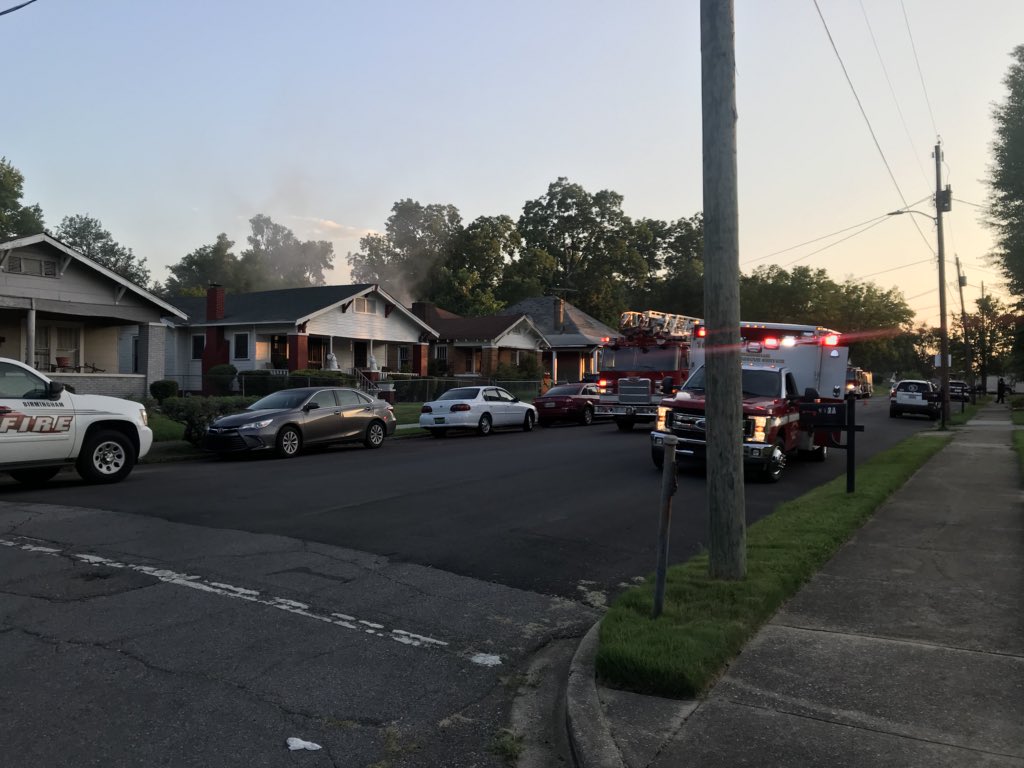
(707, 622)
(164, 429)
(408, 413)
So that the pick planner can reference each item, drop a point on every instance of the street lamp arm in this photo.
(932, 219)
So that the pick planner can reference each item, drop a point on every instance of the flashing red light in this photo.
(702, 332)
(460, 407)
(605, 339)
(426, 409)
(603, 383)
(770, 342)
(832, 340)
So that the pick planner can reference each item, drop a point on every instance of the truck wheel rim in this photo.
(778, 461)
(109, 457)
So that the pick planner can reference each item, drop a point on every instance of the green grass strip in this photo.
(706, 622)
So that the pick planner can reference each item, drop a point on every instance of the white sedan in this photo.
(481, 408)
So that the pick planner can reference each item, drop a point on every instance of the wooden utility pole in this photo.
(943, 199)
(961, 281)
(726, 504)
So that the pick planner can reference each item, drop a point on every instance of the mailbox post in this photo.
(836, 416)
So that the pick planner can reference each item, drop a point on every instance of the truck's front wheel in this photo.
(106, 457)
(773, 470)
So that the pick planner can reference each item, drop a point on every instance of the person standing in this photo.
(1001, 391)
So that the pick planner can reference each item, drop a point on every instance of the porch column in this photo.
(152, 347)
(489, 361)
(420, 355)
(554, 365)
(298, 351)
(30, 335)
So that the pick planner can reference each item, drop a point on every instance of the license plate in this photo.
(658, 439)
(439, 419)
(549, 405)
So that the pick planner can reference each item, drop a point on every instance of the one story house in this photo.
(574, 338)
(360, 329)
(476, 346)
(62, 313)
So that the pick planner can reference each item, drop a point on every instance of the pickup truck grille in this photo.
(693, 426)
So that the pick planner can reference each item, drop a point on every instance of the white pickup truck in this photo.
(44, 427)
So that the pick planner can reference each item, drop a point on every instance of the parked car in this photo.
(479, 408)
(567, 402)
(959, 391)
(292, 419)
(914, 396)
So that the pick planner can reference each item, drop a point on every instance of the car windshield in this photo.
(640, 359)
(462, 393)
(563, 390)
(755, 383)
(278, 401)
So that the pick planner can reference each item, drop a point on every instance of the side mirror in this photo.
(54, 390)
(311, 406)
(668, 387)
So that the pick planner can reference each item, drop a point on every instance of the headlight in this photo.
(759, 424)
(663, 413)
(144, 416)
(257, 424)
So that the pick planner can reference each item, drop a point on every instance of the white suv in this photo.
(914, 396)
(44, 427)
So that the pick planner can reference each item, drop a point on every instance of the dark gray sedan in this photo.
(291, 419)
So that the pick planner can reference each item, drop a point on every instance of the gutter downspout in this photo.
(30, 334)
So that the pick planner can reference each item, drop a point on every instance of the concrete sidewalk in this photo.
(907, 649)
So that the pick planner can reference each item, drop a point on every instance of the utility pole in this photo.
(983, 338)
(961, 281)
(943, 199)
(726, 503)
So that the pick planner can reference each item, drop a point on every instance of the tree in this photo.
(468, 280)
(87, 236)
(16, 220)
(207, 264)
(991, 334)
(589, 239)
(675, 255)
(275, 258)
(418, 240)
(1006, 205)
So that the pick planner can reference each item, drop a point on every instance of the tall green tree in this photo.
(16, 219)
(675, 253)
(213, 263)
(468, 279)
(990, 335)
(87, 236)
(276, 258)
(418, 240)
(1006, 182)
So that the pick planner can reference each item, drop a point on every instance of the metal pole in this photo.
(851, 441)
(943, 330)
(668, 490)
(726, 503)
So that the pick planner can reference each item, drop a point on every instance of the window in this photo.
(366, 306)
(348, 399)
(441, 353)
(403, 358)
(16, 382)
(241, 346)
(38, 266)
(198, 347)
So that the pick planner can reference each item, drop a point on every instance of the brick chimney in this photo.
(214, 302)
(559, 313)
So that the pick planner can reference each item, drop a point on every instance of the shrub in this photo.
(221, 378)
(1017, 402)
(196, 413)
(163, 389)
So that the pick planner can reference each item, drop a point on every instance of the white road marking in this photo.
(232, 591)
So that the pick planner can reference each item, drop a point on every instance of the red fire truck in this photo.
(783, 365)
(651, 347)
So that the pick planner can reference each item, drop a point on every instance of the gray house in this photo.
(61, 313)
(574, 337)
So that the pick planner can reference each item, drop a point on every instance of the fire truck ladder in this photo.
(656, 323)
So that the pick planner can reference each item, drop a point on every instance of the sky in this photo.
(172, 122)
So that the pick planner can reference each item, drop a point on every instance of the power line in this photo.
(966, 202)
(892, 91)
(837, 242)
(864, 114)
(16, 7)
(815, 240)
(917, 61)
(893, 269)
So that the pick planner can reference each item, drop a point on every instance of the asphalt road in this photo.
(569, 511)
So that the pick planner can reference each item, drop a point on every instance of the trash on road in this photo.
(294, 744)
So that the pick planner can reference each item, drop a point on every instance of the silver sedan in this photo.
(289, 420)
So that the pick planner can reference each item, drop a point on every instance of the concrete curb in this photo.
(589, 735)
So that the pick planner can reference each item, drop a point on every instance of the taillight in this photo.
(831, 340)
(771, 342)
(701, 332)
(426, 409)
(460, 407)
(603, 383)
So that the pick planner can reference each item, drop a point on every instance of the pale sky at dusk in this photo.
(171, 122)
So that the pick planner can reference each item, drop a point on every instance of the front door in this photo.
(32, 427)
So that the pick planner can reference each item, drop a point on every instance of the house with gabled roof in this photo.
(360, 329)
(63, 313)
(573, 337)
(476, 346)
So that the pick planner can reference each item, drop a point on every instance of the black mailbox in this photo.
(818, 415)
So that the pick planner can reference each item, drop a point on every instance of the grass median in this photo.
(707, 622)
